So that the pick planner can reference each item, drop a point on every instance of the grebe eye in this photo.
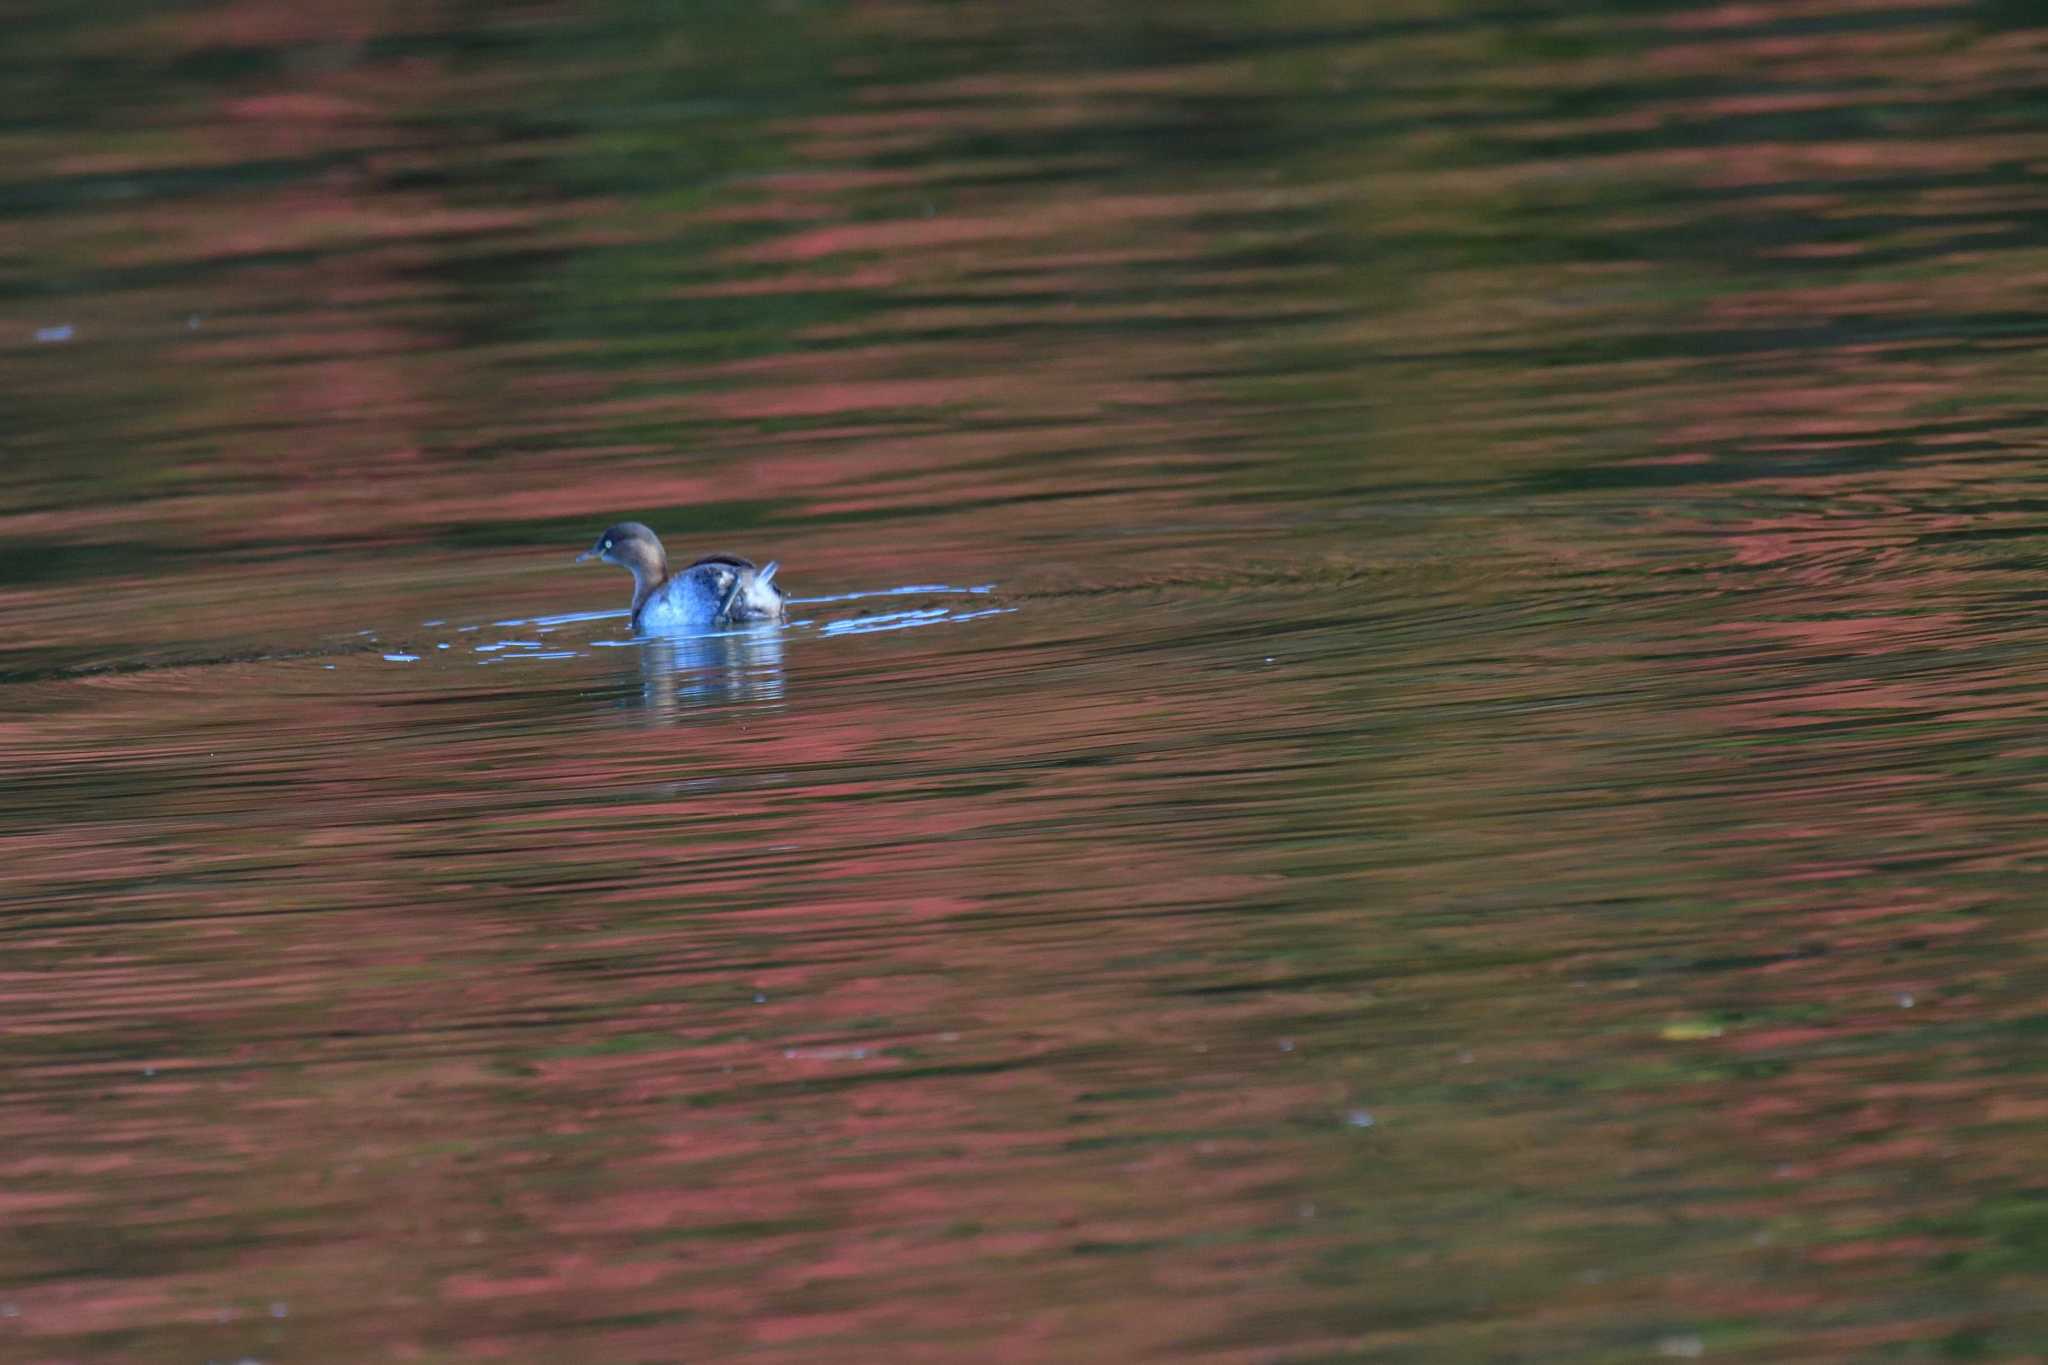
(607, 545)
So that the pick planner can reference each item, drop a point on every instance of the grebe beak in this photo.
(587, 554)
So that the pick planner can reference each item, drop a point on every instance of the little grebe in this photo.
(717, 590)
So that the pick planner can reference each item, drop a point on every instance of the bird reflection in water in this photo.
(681, 673)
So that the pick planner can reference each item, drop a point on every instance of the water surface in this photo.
(1415, 734)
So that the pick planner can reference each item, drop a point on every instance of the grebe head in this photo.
(632, 547)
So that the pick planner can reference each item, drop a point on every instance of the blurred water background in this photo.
(1487, 804)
